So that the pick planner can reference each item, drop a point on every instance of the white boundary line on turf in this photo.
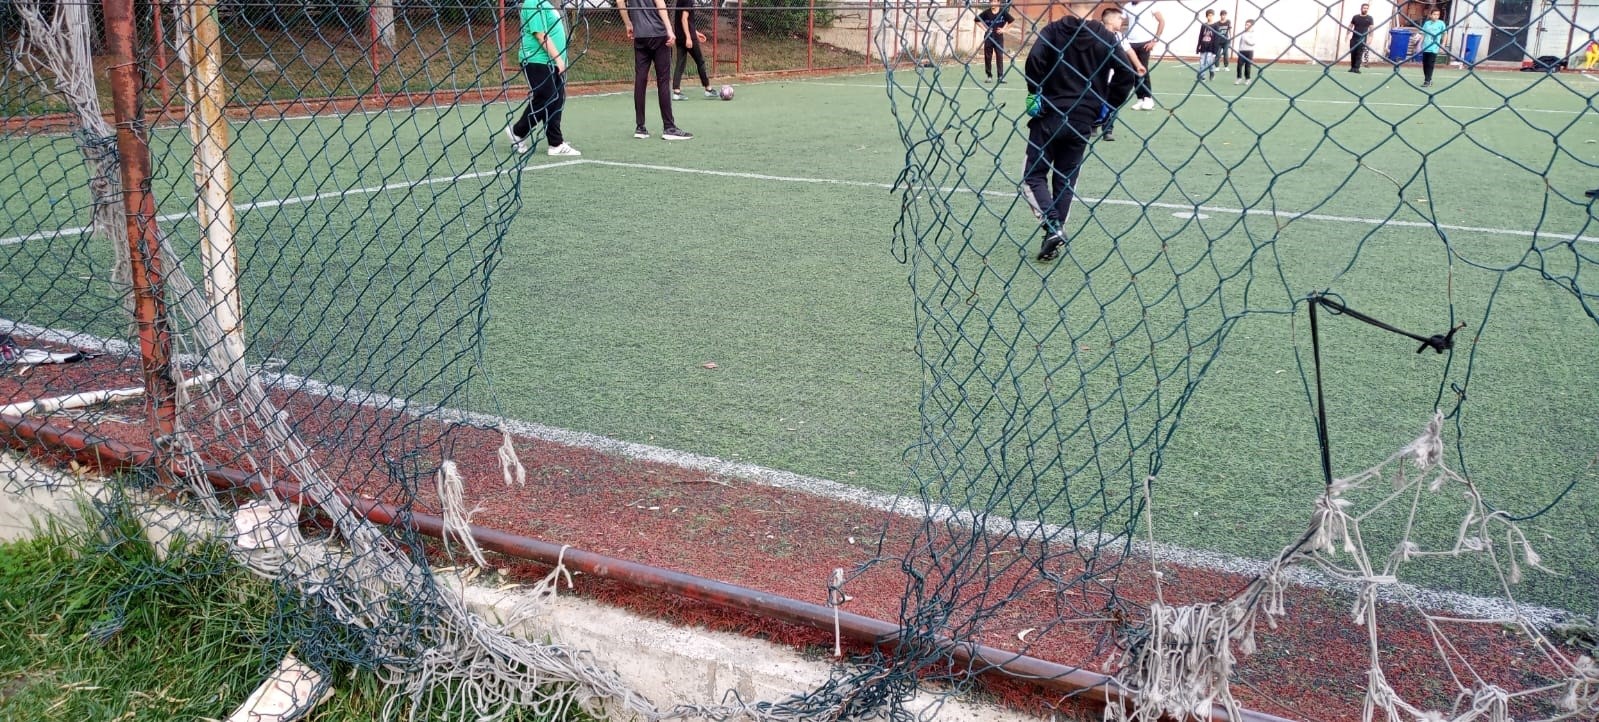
(1397, 593)
(296, 200)
(1287, 215)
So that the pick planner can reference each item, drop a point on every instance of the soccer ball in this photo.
(726, 92)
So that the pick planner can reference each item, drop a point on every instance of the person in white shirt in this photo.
(1145, 25)
(1244, 45)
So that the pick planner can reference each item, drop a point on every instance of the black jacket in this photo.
(1070, 68)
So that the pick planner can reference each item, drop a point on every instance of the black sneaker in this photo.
(1052, 245)
(676, 133)
(1592, 193)
(1108, 137)
(641, 132)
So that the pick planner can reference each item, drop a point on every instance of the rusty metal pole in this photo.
(149, 286)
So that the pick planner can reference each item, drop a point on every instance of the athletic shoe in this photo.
(1109, 136)
(1147, 103)
(1354, 70)
(711, 94)
(563, 149)
(520, 144)
(1426, 84)
(1052, 245)
(1239, 81)
(641, 132)
(677, 95)
(676, 133)
(1592, 194)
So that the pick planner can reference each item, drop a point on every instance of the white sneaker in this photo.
(519, 143)
(1239, 81)
(677, 95)
(1149, 103)
(563, 149)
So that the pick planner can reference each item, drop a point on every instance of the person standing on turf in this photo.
(1207, 46)
(1359, 28)
(1432, 43)
(1246, 52)
(994, 20)
(1224, 37)
(689, 41)
(1145, 26)
(650, 29)
(1118, 92)
(543, 59)
(1070, 71)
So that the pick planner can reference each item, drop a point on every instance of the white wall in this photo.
(1301, 30)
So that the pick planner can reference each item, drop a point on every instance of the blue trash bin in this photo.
(1398, 44)
(1473, 43)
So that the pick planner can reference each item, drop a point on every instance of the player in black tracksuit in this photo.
(1069, 78)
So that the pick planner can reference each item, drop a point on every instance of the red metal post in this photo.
(372, 29)
(149, 292)
(500, 39)
(869, 35)
(160, 58)
(810, 36)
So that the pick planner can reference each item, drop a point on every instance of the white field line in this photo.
(296, 200)
(1432, 600)
(978, 87)
(1283, 215)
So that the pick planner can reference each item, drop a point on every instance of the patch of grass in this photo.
(95, 626)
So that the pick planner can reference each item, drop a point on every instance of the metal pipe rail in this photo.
(110, 456)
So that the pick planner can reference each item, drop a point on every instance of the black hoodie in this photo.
(1069, 67)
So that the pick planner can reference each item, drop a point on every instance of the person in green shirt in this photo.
(543, 58)
(1432, 43)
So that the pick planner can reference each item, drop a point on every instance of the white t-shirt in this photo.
(1140, 22)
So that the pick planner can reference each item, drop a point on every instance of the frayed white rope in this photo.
(1180, 663)
(510, 464)
(457, 518)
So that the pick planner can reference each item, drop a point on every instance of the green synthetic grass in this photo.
(198, 634)
(767, 246)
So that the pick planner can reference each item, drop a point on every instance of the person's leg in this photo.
(1144, 88)
(552, 124)
(1246, 60)
(1000, 61)
(1222, 53)
(642, 55)
(663, 59)
(1066, 160)
(700, 65)
(988, 57)
(1357, 48)
(524, 124)
(677, 72)
(1036, 171)
(1428, 62)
